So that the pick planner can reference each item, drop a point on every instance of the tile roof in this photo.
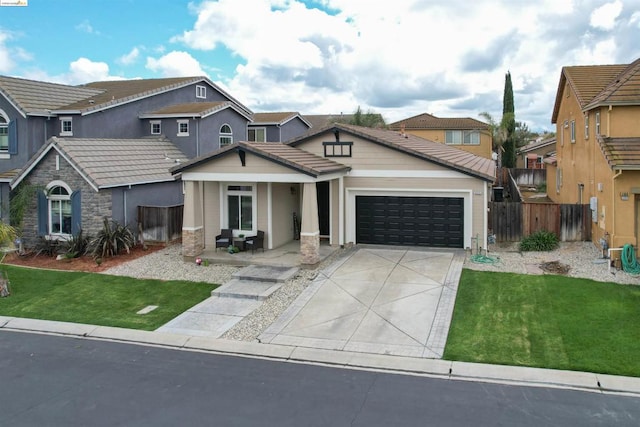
(621, 153)
(586, 81)
(540, 144)
(274, 118)
(190, 109)
(114, 162)
(322, 120)
(432, 151)
(294, 158)
(40, 98)
(624, 89)
(429, 121)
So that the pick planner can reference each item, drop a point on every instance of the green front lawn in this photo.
(546, 321)
(97, 299)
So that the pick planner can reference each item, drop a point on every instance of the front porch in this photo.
(287, 255)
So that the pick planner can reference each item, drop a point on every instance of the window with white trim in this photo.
(156, 127)
(4, 133)
(226, 135)
(183, 127)
(598, 123)
(66, 126)
(586, 126)
(573, 131)
(201, 92)
(462, 137)
(240, 207)
(59, 198)
(257, 134)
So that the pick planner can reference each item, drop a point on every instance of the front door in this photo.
(322, 191)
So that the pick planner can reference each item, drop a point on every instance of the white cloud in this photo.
(86, 27)
(84, 70)
(130, 57)
(6, 62)
(605, 16)
(175, 64)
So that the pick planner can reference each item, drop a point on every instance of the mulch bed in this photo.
(84, 263)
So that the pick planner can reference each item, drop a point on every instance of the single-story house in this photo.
(347, 184)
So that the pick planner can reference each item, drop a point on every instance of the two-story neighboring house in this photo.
(276, 126)
(104, 148)
(465, 133)
(597, 117)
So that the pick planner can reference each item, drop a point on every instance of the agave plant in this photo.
(112, 239)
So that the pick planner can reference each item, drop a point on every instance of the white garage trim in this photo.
(393, 173)
(351, 194)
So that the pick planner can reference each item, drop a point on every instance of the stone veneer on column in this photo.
(192, 242)
(310, 248)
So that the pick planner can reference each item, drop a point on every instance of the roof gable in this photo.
(276, 119)
(441, 154)
(106, 163)
(429, 121)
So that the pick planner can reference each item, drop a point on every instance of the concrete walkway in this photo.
(376, 300)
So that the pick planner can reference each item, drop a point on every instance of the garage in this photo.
(410, 221)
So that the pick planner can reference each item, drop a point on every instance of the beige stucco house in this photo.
(597, 117)
(465, 133)
(347, 184)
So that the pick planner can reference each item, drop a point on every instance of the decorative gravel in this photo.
(168, 264)
(584, 259)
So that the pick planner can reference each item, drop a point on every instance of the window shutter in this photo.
(43, 214)
(76, 212)
(13, 137)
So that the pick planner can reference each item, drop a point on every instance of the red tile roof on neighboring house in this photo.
(429, 121)
(596, 85)
(621, 153)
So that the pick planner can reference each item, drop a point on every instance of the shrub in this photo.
(111, 240)
(539, 241)
(76, 245)
(45, 246)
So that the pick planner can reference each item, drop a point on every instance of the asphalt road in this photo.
(59, 381)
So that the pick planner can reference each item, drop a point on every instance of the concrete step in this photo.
(250, 289)
(266, 273)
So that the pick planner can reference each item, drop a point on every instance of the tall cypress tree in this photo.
(509, 124)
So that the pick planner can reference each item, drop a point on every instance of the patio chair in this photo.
(224, 239)
(255, 242)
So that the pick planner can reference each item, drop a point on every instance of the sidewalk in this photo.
(534, 377)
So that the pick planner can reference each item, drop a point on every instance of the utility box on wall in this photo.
(593, 205)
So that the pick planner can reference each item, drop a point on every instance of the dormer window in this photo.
(66, 126)
(201, 92)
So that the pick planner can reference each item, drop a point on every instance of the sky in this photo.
(398, 58)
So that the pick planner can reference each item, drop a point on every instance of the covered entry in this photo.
(410, 221)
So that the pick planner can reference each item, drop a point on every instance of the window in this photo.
(183, 127)
(458, 137)
(4, 134)
(558, 180)
(573, 131)
(257, 135)
(226, 135)
(66, 126)
(240, 210)
(337, 149)
(598, 123)
(156, 128)
(59, 210)
(201, 91)
(586, 126)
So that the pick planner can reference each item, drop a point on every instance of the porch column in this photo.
(192, 226)
(310, 230)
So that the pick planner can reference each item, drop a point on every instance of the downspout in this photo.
(124, 203)
(613, 205)
(197, 137)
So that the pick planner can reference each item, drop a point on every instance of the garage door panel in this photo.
(410, 221)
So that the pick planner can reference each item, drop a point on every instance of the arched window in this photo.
(59, 198)
(226, 135)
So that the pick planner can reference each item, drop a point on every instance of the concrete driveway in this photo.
(395, 301)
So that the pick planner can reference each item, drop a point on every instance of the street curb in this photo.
(438, 368)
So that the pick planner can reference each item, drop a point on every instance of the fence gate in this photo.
(160, 223)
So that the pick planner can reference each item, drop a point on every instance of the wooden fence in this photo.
(160, 223)
(510, 221)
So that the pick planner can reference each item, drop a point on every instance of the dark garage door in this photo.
(410, 221)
